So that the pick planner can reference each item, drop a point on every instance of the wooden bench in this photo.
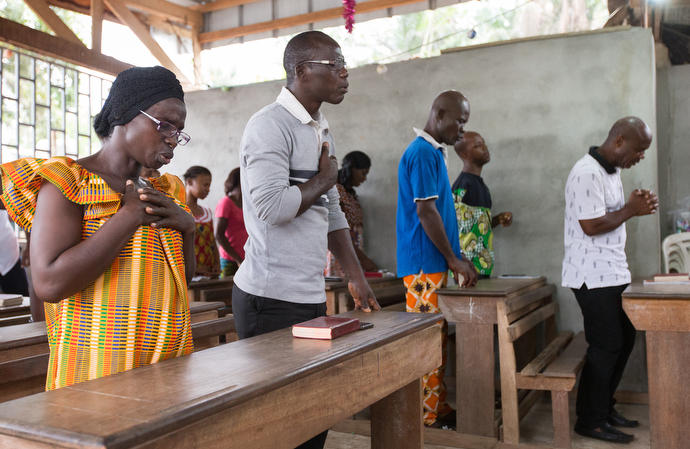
(24, 350)
(223, 294)
(272, 391)
(389, 291)
(549, 371)
(196, 287)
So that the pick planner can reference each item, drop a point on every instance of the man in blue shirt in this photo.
(427, 229)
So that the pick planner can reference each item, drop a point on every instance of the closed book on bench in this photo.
(325, 327)
(8, 300)
(671, 277)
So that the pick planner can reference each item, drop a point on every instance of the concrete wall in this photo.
(677, 110)
(539, 104)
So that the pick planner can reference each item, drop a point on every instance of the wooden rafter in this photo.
(167, 26)
(301, 19)
(220, 4)
(198, 80)
(53, 21)
(168, 10)
(141, 31)
(159, 8)
(96, 24)
(59, 48)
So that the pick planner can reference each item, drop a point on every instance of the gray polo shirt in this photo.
(285, 253)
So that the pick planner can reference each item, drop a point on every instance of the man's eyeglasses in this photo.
(169, 130)
(335, 64)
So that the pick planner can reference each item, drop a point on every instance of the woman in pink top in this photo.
(230, 232)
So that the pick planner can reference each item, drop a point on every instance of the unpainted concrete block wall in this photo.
(539, 104)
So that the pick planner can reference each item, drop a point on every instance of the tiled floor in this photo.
(536, 429)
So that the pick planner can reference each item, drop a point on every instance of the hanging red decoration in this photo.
(349, 14)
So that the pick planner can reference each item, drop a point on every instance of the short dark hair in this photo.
(232, 181)
(300, 49)
(194, 171)
(354, 159)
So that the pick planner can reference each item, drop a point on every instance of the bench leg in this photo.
(396, 420)
(561, 419)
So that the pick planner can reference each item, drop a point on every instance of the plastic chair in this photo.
(676, 248)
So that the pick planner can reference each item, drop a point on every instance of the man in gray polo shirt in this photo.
(288, 173)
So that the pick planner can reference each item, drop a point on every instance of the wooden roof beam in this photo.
(220, 4)
(53, 21)
(141, 31)
(59, 48)
(302, 19)
(168, 10)
(167, 26)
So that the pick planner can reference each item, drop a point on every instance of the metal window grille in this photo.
(47, 107)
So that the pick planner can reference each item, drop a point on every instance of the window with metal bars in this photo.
(47, 107)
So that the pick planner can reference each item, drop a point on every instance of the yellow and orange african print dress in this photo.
(136, 312)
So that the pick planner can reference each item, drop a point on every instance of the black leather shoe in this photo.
(607, 433)
(616, 419)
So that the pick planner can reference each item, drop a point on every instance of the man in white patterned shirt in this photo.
(596, 269)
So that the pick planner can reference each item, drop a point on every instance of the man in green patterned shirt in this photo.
(473, 204)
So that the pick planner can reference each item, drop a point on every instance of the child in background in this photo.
(473, 205)
(231, 234)
(198, 183)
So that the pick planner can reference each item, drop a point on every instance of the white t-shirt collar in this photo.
(288, 100)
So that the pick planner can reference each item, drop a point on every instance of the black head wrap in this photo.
(133, 90)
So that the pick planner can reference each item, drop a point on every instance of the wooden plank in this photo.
(213, 328)
(52, 21)
(519, 328)
(524, 300)
(541, 382)
(141, 31)
(196, 47)
(96, 25)
(431, 436)
(571, 361)
(223, 294)
(220, 4)
(14, 320)
(658, 313)
(547, 355)
(56, 47)
(560, 409)
(300, 19)
(167, 26)
(475, 388)
(168, 10)
(509, 387)
(401, 406)
(24, 368)
(21, 388)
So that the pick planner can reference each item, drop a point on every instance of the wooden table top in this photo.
(334, 285)
(28, 334)
(492, 287)
(637, 290)
(128, 408)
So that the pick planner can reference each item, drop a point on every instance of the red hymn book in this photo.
(325, 327)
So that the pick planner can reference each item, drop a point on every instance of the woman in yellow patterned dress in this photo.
(197, 181)
(111, 253)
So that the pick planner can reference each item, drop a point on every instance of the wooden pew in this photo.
(12, 315)
(196, 287)
(549, 371)
(388, 291)
(24, 349)
(271, 391)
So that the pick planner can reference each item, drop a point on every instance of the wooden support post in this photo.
(196, 44)
(52, 21)
(96, 24)
(396, 420)
(128, 18)
(561, 419)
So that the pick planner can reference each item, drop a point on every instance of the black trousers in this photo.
(14, 281)
(257, 315)
(611, 337)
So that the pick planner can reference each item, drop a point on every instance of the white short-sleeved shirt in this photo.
(599, 261)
